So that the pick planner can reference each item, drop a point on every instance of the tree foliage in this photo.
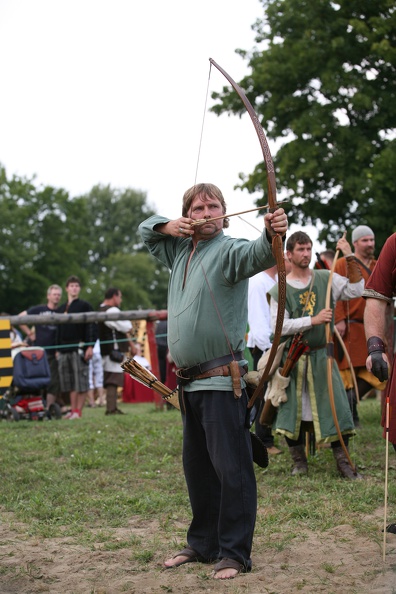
(324, 86)
(46, 236)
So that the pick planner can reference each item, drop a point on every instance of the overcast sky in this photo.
(113, 92)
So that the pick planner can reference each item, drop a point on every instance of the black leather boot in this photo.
(352, 399)
(343, 466)
(299, 460)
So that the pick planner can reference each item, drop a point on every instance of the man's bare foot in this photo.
(187, 555)
(225, 574)
(227, 569)
(176, 561)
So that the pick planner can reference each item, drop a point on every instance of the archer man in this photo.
(310, 400)
(207, 321)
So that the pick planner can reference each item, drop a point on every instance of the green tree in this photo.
(38, 241)
(46, 236)
(114, 219)
(143, 282)
(324, 86)
(116, 253)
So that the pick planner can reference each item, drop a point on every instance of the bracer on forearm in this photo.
(375, 348)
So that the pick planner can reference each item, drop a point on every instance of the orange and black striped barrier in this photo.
(5, 356)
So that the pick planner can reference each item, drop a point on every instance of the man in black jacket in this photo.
(76, 348)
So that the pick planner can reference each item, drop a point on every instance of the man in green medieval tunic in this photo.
(308, 401)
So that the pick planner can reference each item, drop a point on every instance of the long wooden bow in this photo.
(322, 265)
(330, 362)
(277, 245)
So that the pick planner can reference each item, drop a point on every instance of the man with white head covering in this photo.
(349, 322)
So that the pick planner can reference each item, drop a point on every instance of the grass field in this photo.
(65, 477)
(84, 480)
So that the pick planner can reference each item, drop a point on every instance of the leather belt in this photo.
(191, 372)
(223, 370)
(317, 348)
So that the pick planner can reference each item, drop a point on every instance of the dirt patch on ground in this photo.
(332, 562)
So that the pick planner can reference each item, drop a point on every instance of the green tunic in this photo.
(207, 307)
(312, 368)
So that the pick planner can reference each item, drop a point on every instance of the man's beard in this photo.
(368, 252)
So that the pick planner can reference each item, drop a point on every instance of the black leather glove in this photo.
(375, 348)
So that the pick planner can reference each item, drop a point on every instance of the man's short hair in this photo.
(54, 288)
(330, 254)
(111, 292)
(73, 279)
(297, 237)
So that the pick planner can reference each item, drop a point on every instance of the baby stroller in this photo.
(25, 399)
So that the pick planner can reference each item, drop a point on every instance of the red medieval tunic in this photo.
(383, 281)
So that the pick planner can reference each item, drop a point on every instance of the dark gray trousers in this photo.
(218, 466)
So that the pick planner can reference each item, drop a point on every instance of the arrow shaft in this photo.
(234, 214)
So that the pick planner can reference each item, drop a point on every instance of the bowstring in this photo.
(203, 125)
(197, 253)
